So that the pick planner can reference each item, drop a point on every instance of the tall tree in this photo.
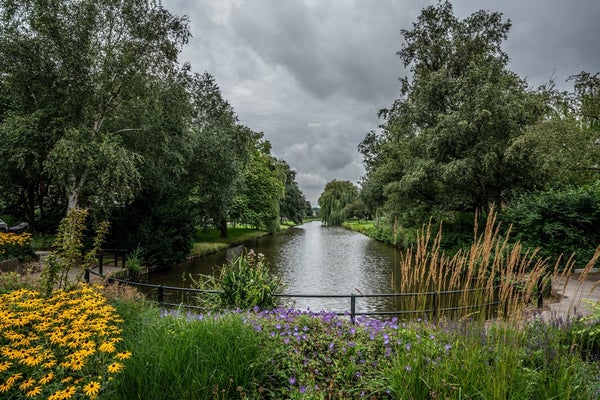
(336, 197)
(443, 142)
(223, 149)
(264, 189)
(293, 204)
(93, 57)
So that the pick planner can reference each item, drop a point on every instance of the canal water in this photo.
(312, 259)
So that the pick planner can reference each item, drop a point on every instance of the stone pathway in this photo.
(572, 296)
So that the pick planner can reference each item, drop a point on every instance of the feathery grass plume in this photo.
(492, 272)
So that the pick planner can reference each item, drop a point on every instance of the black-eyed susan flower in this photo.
(34, 392)
(124, 355)
(47, 378)
(27, 384)
(115, 367)
(92, 389)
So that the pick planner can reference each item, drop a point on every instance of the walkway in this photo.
(572, 296)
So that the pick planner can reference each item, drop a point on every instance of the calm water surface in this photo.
(313, 259)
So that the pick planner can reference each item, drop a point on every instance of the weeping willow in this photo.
(336, 196)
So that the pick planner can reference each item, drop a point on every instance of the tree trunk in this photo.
(72, 200)
(223, 227)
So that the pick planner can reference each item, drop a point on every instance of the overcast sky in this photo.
(312, 75)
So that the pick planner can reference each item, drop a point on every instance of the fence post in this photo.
(161, 293)
(435, 306)
(352, 307)
(540, 293)
(101, 262)
(86, 276)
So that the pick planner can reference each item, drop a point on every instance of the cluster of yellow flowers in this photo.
(60, 347)
(14, 244)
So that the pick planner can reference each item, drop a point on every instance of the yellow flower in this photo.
(34, 392)
(124, 355)
(4, 365)
(27, 384)
(69, 392)
(107, 347)
(47, 378)
(5, 387)
(92, 389)
(115, 367)
(15, 377)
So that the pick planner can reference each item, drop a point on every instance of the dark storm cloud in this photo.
(312, 74)
(330, 48)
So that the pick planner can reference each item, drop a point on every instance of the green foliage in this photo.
(134, 260)
(244, 284)
(293, 204)
(443, 143)
(560, 221)
(161, 222)
(10, 281)
(586, 333)
(336, 196)
(177, 358)
(498, 363)
(66, 251)
(67, 94)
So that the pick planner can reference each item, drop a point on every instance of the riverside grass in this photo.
(289, 354)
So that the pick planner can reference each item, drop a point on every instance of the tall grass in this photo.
(492, 270)
(182, 358)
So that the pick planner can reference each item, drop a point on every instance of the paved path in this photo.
(572, 296)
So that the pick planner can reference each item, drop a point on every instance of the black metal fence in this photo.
(436, 306)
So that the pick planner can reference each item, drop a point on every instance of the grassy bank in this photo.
(403, 238)
(209, 241)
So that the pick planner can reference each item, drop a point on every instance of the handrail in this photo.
(434, 311)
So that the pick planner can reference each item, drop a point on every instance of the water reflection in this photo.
(314, 259)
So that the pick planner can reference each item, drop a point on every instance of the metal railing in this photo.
(434, 310)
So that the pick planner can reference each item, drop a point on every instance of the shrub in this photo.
(244, 284)
(559, 221)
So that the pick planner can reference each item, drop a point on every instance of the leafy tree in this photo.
(443, 143)
(293, 205)
(336, 196)
(222, 151)
(89, 58)
(264, 189)
(563, 149)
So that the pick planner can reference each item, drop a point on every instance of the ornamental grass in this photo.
(60, 347)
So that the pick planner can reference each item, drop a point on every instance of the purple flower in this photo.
(292, 380)
(408, 368)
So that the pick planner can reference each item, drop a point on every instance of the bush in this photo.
(160, 222)
(244, 284)
(561, 222)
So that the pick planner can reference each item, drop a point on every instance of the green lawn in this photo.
(209, 241)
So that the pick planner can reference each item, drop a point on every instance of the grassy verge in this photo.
(287, 354)
(210, 241)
